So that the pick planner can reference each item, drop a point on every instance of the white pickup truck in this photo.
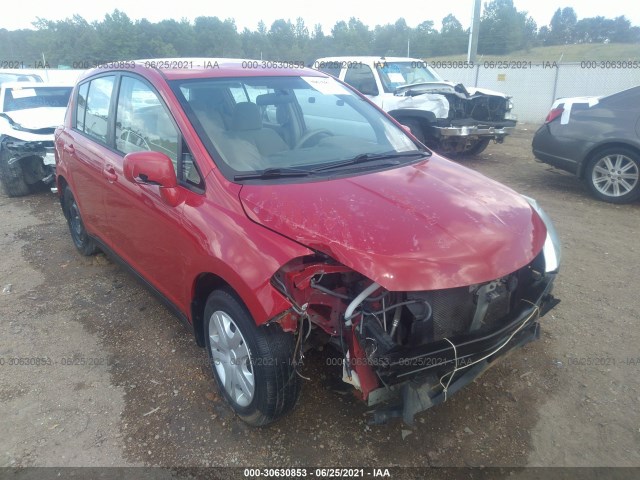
(29, 113)
(448, 117)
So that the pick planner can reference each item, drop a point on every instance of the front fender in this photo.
(406, 113)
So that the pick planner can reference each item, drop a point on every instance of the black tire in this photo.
(613, 175)
(12, 178)
(478, 147)
(276, 385)
(81, 239)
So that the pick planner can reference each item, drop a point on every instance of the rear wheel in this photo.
(613, 175)
(252, 365)
(83, 242)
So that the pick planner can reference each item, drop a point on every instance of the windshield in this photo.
(398, 74)
(29, 96)
(259, 124)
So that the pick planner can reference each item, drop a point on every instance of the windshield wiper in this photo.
(277, 172)
(370, 157)
(273, 173)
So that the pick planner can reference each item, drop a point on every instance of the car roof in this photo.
(594, 100)
(29, 77)
(186, 68)
(28, 84)
(368, 59)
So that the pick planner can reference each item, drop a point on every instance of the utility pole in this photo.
(473, 35)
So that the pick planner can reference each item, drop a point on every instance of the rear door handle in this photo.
(69, 149)
(110, 173)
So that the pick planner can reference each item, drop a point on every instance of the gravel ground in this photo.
(118, 381)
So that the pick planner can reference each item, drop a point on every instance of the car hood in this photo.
(37, 118)
(444, 87)
(431, 225)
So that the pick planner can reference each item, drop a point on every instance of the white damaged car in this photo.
(29, 114)
(447, 117)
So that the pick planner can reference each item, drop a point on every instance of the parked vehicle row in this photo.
(447, 117)
(279, 209)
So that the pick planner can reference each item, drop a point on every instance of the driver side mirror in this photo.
(153, 168)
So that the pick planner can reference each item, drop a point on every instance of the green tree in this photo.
(53, 38)
(392, 39)
(352, 37)
(180, 35)
(216, 38)
(116, 38)
(281, 38)
(453, 38)
(503, 28)
(423, 40)
(562, 29)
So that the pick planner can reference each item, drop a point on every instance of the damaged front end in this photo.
(27, 157)
(37, 158)
(404, 352)
(473, 116)
(29, 114)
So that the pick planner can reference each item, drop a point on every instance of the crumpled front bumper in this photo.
(13, 150)
(444, 368)
(478, 131)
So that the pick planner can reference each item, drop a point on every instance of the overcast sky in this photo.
(325, 12)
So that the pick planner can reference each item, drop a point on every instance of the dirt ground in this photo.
(113, 379)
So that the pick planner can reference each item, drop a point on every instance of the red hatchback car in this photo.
(277, 208)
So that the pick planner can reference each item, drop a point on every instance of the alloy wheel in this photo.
(615, 175)
(231, 358)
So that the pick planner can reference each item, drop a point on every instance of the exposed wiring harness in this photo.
(451, 374)
(300, 310)
(298, 355)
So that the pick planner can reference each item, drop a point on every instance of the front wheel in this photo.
(478, 147)
(613, 175)
(416, 129)
(253, 366)
(12, 178)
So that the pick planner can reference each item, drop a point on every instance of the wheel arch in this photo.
(62, 184)
(203, 285)
(268, 301)
(582, 166)
(424, 117)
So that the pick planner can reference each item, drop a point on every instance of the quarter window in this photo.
(96, 115)
(81, 105)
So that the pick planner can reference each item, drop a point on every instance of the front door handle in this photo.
(110, 173)
(69, 149)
